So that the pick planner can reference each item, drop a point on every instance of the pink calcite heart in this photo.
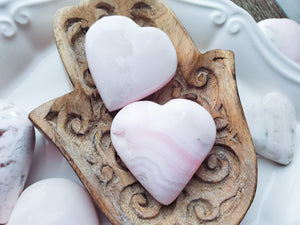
(126, 61)
(163, 146)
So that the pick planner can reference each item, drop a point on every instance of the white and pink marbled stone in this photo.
(163, 146)
(272, 122)
(17, 141)
(284, 34)
(126, 61)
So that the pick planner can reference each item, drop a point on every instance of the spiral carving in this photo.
(102, 141)
(106, 174)
(220, 169)
(214, 169)
(200, 77)
(203, 210)
(142, 207)
(220, 185)
(141, 203)
(75, 125)
(218, 165)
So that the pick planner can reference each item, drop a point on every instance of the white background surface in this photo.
(31, 73)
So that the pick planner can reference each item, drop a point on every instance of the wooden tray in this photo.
(78, 123)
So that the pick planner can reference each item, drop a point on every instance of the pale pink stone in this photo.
(163, 146)
(285, 35)
(54, 201)
(126, 61)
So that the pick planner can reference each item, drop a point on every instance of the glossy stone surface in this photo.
(54, 201)
(126, 61)
(163, 146)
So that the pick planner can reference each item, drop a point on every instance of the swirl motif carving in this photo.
(81, 121)
(214, 164)
(15, 14)
(107, 174)
(102, 139)
(142, 204)
(74, 124)
(203, 210)
(221, 168)
(200, 77)
(201, 86)
(218, 165)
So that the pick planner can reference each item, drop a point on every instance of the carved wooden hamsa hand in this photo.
(221, 190)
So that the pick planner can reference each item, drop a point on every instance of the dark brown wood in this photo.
(78, 123)
(261, 9)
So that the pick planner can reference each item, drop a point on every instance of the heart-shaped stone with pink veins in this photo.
(163, 146)
(126, 61)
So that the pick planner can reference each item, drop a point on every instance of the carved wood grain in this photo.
(78, 123)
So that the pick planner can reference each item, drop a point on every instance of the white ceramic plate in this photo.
(31, 73)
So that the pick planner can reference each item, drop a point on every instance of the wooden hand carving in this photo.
(78, 123)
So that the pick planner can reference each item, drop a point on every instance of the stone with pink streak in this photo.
(163, 146)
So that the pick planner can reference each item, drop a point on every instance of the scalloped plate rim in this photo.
(51, 61)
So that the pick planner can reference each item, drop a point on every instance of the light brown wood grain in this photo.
(78, 123)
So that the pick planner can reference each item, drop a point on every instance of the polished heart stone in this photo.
(163, 146)
(126, 61)
(17, 141)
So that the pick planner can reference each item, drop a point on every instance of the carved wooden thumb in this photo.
(78, 123)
